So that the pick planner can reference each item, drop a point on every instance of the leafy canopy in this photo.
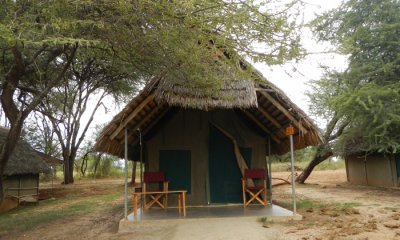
(183, 38)
(368, 92)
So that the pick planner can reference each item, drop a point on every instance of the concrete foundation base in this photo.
(271, 213)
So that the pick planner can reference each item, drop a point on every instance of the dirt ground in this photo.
(334, 209)
(375, 215)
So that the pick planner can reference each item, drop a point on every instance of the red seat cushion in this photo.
(254, 173)
(154, 177)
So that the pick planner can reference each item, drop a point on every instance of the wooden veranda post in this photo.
(289, 132)
(126, 175)
(269, 171)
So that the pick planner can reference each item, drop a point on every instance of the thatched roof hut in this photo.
(24, 159)
(203, 142)
(262, 103)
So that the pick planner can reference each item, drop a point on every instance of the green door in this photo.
(224, 173)
(176, 164)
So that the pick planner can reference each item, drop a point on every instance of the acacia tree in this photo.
(88, 82)
(40, 40)
(366, 105)
(322, 92)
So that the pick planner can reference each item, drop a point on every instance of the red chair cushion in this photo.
(154, 177)
(254, 173)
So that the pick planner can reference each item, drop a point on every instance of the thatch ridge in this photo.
(24, 160)
(232, 94)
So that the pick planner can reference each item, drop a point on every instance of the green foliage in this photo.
(311, 204)
(146, 38)
(368, 92)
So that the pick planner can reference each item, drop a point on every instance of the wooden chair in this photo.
(259, 190)
(155, 178)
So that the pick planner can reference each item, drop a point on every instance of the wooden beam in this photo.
(131, 116)
(148, 116)
(152, 124)
(262, 126)
(269, 117)
(284, 111)
(145, 119)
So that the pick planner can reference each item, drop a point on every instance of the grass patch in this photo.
(393, 209)
(28, 217)
(309, 204)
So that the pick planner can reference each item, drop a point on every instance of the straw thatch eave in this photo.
(50, 160)
(24, 160)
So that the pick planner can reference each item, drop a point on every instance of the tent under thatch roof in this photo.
(24, 160)
(259, 102)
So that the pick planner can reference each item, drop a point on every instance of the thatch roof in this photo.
(259, 102)
(24, 160)
(52, 161)
(233, 94)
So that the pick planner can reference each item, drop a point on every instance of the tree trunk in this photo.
(133, 178)
(69, 169)
(7, 150)
(97, 159)
(323, 152)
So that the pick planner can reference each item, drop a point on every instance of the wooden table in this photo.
(159, 194)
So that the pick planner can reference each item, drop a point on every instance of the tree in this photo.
(40, 40)
(321, 94)
(88, 82)
(39, 133)
(364, 110)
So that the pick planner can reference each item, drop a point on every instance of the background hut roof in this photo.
(24, 160)
(258, 101)
(50, 160)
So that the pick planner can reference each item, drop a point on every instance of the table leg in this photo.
(135, 205)
(179, 203)
(184, 203)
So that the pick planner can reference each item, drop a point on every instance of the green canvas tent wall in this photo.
(181, 129)
(381, 170)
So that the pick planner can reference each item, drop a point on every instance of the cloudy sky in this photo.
(293, 77)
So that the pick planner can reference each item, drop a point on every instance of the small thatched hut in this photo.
(192, 137)
(21, 175)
